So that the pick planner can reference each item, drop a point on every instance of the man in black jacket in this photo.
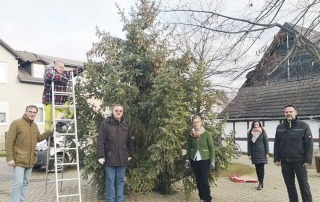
(293, 149)
(114, 149)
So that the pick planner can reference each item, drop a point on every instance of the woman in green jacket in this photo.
(200, 153)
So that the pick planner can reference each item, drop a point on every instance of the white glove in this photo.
(212, 165)
(187, 164)
(101, 161)
(129, 158)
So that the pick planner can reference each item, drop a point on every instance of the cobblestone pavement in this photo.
(274, 188)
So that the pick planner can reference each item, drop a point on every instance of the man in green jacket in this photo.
(21, 142)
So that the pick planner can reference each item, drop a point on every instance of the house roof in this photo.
(32, 57)
(267, 102)
(25, 77)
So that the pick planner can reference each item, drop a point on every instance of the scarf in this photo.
(198, 134)
(255, 134)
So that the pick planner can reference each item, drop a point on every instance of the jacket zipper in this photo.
(30, 146)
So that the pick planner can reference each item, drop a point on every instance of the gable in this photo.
(287, 59)
(9, 49)
(279, 80)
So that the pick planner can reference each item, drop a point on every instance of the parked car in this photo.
(42, 150)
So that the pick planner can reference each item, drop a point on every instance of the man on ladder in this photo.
(60, 78)
(59, 98)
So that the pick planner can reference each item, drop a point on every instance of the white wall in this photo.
(241, 129)
(18, 95)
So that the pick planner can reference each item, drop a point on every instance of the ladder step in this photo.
(62, 93)
(52, 158)
(68, 148)
(66, 164)
(69, 195)
(63, 120)
(63, 106)
(58, 170)
(67, 134)
(67, 179)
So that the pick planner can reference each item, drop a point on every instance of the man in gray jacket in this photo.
(293, 150)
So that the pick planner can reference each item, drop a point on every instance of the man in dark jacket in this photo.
(21, 141)
(293, 150)
(114, 148)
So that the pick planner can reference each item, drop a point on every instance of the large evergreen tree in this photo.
(144, 75)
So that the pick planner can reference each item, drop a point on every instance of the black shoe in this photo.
(260, 186)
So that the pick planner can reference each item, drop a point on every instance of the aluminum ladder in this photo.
(57, 159)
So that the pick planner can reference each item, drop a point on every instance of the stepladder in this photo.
(63, 147)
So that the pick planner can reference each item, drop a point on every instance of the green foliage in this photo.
(160, 94)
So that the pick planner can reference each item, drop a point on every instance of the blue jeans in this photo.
(21, 178)
(115, 183)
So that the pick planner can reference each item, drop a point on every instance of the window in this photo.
(3, 117)
(38, 70)
(3, 72)
(4, 113)
(40, 115)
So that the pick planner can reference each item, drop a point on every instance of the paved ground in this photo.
(274, 188)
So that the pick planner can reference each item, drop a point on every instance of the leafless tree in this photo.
(232, 43)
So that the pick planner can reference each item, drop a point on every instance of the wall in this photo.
(241, 129)
(17, 95)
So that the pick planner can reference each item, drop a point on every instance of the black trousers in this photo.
(260, 171)
(201, 172)
(289, 170)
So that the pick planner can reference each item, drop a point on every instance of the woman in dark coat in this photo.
(258, 149)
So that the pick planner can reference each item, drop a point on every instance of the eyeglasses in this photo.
(31, 112)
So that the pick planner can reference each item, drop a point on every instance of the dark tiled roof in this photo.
(67, 62)
(267, 102)
(25, 77)
(32, 57)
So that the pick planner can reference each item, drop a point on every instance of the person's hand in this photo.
(187, 164)
(129, 158)
(306, 164)
(212, 165)
(11, 163)
(278, 163)
(101, 161)
(249, 157)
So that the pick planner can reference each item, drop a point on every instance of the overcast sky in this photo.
(60, 28)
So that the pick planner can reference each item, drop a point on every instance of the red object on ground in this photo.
(238, 179)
